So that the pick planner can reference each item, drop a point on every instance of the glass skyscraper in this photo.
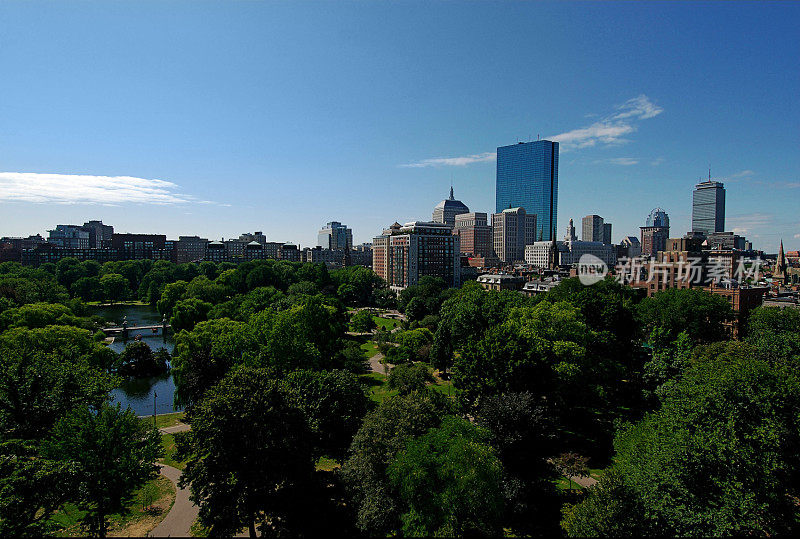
(527, 177)
(708, 207)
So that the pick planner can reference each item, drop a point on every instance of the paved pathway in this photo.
(585, 482)
(376, 365)
(180, 427)
(180, 518)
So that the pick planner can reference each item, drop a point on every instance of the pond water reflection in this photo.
(139, 393)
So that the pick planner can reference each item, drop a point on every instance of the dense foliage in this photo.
(490, 399)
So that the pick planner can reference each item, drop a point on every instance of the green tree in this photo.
(113, 453)
(571, 465)
(409, 377)
(541, 349)
(334, 403)
(251, 456)
(69, 270)
(362, 321)
(44, 373)
(39, 315)
(88, 288)
(206, 290)
(464, 318)
(522, 428)
(307, 335)
(138, 360)
(172, 293)
(721, 456)
(32, 488)
(204, 355)
(187, 313)
(384, 432)
(699, 313)
(776, 333)
(449, 482)
(115, 287)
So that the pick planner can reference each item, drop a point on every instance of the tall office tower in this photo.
(405, 253)
(606, 233)
(655, 232)
(592, 228)
(446, 210)
(99, 234)
(513, 229)
(527, 177)
(475, 234)
(335, 235)
(708, 207)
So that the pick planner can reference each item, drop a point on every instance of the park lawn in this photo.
(444, 387)
(150, 505)
(327, 464)
(386, 323)
(164, 420)
(378, 386)
(370, 349)
(168, 443)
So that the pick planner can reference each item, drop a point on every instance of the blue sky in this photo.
(219, 118)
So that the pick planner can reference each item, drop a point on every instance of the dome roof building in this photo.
(446, 210)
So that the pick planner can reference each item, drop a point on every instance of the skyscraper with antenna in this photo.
(708, 206)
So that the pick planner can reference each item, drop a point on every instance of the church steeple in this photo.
(780, 264)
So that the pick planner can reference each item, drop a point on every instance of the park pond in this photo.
(139, 393)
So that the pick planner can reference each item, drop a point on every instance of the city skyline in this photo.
(268, 133)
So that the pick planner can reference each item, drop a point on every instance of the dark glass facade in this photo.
(708, 207)
(527, 177)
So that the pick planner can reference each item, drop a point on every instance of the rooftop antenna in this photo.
(709, 172)
(537, 136)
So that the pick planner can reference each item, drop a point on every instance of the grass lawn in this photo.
(378, 388)
(164, 420)
(386, 323)
(168, 443)
(151, 503)
(369, 348)
(445, 387)
(327, 464)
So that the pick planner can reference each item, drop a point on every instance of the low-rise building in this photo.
(500, 281)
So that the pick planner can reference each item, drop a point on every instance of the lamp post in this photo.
(154, 408)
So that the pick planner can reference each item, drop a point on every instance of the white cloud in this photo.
(453, 161)
(657, 161)
(793, 185)
(742, 224)
(87, 189)
(624, 161)
(797, 236)
(742, 174)
(639, 107)
(611, 129)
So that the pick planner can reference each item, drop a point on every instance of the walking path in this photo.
(376, 364)
(180, 427)
(180, 518)
(585, 482)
